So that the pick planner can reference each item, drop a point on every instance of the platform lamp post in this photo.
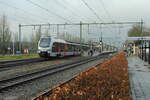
(139, 51)
(142, 39)
(100, 42)
(149, 52)
(145, 51)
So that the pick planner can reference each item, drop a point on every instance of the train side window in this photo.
(69, 47)
(72, 48)
(61, 47)
(66, 47)
(54, 47)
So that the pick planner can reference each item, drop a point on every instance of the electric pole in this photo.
(3, 47)
(20, 44)
(80, 36)
(58, 30)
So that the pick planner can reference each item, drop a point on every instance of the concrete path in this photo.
(139, 74)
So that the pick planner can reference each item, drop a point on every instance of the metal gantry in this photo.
(63, 24)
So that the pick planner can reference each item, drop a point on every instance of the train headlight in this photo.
(48, 51)
(39, 51)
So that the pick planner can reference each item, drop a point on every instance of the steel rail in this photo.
(6, 84)
(11, 63)
(48, 92)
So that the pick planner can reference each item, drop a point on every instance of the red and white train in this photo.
(53, 47)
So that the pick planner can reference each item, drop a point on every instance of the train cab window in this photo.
(45, 42)
(58, 47)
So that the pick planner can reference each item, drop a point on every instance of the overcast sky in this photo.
(62, 11)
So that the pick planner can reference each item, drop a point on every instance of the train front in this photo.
(44, 47)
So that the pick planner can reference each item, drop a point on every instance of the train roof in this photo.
(77, 43)
(59, 40)
(64, 41)
(54, 39)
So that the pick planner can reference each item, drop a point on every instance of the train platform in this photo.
(139, 75)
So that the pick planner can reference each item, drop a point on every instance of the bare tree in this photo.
(136, 31)
(37, 36)
(34, 38)
(5, 34)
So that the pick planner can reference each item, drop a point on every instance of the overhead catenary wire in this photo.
(47, 10)
(15, 19)
(77, 10)
(21, 10)
(92, 10)
(66, 5)
(106, 11)
(111, 23)
(63, 6)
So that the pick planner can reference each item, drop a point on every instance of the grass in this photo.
(15, 57)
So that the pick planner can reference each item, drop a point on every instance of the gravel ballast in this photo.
(22, 69)
(29, 90)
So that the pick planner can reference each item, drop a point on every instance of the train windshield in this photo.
(44, 42)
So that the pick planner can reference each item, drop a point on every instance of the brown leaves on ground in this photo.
(108, 81)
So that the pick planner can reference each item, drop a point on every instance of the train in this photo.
(54, 47)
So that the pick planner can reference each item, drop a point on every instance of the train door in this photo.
(73, 49)
(65, 49)
(62, 49)
(54, 49)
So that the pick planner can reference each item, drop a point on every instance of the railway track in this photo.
(9, 83)
(12, 63)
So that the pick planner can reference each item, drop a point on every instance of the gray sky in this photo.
(24, 12)
(75, 10)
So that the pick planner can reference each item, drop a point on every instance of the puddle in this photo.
(146, 65)
(140, 70)
(3, 69)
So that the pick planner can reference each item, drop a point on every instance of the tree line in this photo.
(138, 31)
(9, 41)
(5, 35)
